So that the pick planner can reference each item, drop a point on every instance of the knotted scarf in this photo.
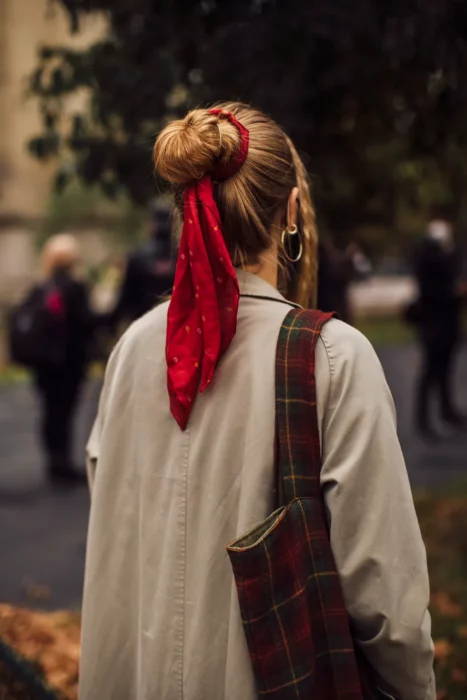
(202, 315)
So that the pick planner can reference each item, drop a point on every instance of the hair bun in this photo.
(189, 148)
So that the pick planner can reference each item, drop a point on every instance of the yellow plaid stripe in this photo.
(290, 328)
(279, 621)
(302, 476)
(308, 537)
(293, 327)
(306, 675)
(292, 597)
(304, 401)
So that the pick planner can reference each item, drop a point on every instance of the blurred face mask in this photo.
(441, 231)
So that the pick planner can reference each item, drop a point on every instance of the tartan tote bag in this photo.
(292, 606)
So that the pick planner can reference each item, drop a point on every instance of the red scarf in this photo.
(202, 316)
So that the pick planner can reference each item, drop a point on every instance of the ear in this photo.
(292, 208)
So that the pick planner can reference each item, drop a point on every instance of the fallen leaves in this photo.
(443, 649)
(443, 520)
(51, 641)
(458, 675)
(444, 604)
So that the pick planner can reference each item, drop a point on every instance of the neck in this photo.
(267, 268)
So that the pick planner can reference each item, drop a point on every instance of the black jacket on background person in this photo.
(437, 273)
(59, 385)
(335, 272)
(150, 271)
(437, 269)
(79, 318)
(148, 277)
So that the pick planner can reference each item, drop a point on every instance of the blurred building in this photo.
(25, 183)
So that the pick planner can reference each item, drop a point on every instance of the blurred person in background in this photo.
(336, 270)
(149, 271)
(437, 315)
(51, 334)
(59, 383)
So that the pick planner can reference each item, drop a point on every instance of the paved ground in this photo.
(42, 532)
(427, 464)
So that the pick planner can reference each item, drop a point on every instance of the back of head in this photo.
(440, 230)
(204, 143)
(61, 252)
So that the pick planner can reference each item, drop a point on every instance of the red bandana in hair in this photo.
(202, 316)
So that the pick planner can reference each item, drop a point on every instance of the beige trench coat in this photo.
(160, 618)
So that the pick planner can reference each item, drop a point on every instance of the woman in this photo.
(177, 473)
(59, 374)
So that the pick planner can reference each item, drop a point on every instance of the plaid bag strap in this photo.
(298, 444)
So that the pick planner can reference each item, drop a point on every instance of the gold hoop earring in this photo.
(292, 231)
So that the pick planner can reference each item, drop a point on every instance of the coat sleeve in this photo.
(374, 531)
(93, 445)
(92, 452)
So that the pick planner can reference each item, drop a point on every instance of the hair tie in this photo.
(202, 315)
(226, 170)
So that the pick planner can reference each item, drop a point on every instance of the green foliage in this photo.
(374, 95)
(384, 331)
(68, 207)
(77, 205)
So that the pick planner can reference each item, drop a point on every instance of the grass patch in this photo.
(12, 374)
(390, 330)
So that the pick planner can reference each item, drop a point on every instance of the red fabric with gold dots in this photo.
(202, 316)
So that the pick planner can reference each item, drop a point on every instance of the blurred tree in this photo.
(78, 207)
(374, 93)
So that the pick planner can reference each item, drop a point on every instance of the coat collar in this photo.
(254, 286)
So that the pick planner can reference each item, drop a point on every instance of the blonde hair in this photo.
(249, 201)
(60, 251)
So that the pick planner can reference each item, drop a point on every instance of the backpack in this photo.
(38, 328)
